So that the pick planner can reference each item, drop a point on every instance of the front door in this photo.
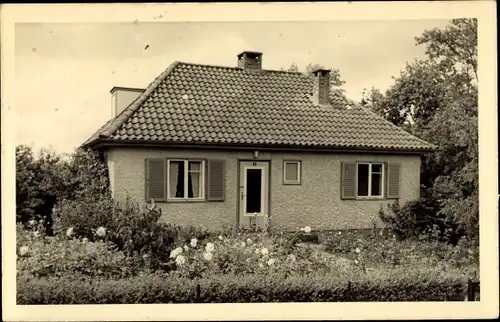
(254, 194)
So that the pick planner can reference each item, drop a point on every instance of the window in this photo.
(185, 179)
(291, 172)
(370, 180)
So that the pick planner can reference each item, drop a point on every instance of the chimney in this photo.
(321, 86)
(121, 97)
(250, 60)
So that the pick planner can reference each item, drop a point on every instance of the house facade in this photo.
(244, 146)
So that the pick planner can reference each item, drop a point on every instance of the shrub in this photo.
(130, 227)
(39, 257)
(421, 218)
(401, 285)
(387, 252)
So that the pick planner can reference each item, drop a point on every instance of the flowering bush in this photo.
(279, 259)
(56, 257)
(243, 253)
(386, 252)
(133, 229)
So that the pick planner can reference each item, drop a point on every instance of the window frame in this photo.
(186, 184)
(299, 173)
(370, 172)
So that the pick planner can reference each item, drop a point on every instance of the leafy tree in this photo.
(87, 174)
(44, 181)
(26, 191)
(336, 81)
(436, 99)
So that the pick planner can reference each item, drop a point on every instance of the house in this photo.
(226, 146)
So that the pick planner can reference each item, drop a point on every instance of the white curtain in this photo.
(195, 180)
(174, 174)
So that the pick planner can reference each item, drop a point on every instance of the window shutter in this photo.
(155, 185)
(215, 180)
(348, 180)
(393, 179)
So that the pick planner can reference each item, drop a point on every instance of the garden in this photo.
(106, 252)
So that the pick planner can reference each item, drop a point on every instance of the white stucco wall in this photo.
(316, 202)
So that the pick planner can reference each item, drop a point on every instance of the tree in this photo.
(436, 99)
(336, 81)
(44, 181)
(455, 47)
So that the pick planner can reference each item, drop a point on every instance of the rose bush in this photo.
(52, 256)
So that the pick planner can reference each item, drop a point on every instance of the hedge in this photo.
(396, 285)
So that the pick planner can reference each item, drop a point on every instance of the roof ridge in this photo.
(121, 118)
(239, 68)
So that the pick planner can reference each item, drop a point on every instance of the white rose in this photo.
(210, 247)
(249, 242)
(270, 262)
(23, 250)
(208, 256)
(264, 251)
(186, 248)
(307, 229)
(358, 250)
(101, 232)
(69, 232)
(221, 238)
(176, 252)
(243, 244)
(180, 260)
(194, 242)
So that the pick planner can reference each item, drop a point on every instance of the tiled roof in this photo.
(201, 104)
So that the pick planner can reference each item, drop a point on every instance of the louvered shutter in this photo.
(155, 185)
(215, 180)
(393, 180)
(348, 180)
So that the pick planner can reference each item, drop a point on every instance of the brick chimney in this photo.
(250, 60)
(321, 86)
(121, 97)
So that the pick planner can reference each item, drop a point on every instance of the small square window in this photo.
(291, 172)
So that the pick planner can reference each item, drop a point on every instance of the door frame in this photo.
(239, 186)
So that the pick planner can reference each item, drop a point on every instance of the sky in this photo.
(64, 71)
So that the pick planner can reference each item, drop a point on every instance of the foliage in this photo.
(397, 285)
(55, 257)
(131, 228)
(421, 218)
(235, 266)
(436, 99)
(42, 182)
(336, 81)
(88, 174)
(379, 252)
